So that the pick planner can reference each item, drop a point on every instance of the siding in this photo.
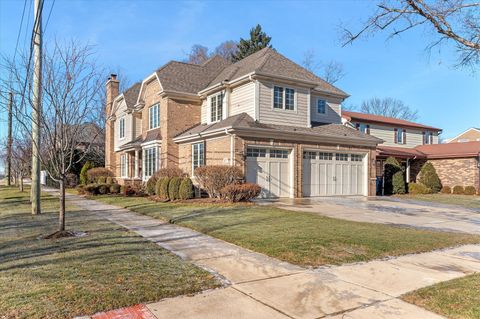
(204, 111)
(386, 133)
(267, 114)
(333, 110)
(119, 113)
(242, 100)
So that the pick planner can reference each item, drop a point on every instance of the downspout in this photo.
(232, 147)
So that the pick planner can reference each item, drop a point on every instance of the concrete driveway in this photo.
(390, 211)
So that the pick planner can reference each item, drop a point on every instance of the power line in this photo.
(48, 18)
(19, 30)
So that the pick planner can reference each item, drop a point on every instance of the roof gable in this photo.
(357, 116)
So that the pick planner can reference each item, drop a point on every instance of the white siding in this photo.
(387, 133)
(268, 114)
(332, 111)
(242, 99)
(204, 111)
(120, 113)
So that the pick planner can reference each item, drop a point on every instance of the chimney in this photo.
(112, 87)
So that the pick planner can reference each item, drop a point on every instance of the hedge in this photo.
(173, 188)
(417, 188)
(186, 189)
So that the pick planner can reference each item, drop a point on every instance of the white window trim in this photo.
(149, 145)
(209, 107)
(193, 154)
(400, 133)
(124, 165)
(316, 106)
(149, 109)
(283, 109)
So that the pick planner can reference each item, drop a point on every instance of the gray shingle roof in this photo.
(190, 78)
(131, 94)
(271, 62)
(244, 121)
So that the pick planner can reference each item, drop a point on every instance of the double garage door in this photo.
(324, 173)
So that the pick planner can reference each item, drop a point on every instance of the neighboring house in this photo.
(470, 135)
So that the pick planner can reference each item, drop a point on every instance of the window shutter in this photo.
(404, 136)
(395, 137)
(368, 129)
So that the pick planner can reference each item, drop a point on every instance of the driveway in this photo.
(390, 211)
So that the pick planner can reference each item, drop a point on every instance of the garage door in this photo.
(332, 174)
(269, 168)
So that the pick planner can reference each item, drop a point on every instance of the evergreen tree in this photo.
(429, 177)
(392, 166)
(258, 40)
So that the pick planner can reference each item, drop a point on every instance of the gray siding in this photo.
(332, 112)
(387, 133)
(242, 99)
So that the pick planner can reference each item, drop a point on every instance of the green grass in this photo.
(107, 269)
(456, 299)
(301, 238)
(468, 201)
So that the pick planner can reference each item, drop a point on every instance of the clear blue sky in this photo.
(139, 36)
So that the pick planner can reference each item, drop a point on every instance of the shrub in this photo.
(102, 179)
(429, 177)
(458, 190)
(91, 189)
(163, 188)
(214, 178)
(169, 172)
(83, 173)
(240, 192)
(80, 189)
(103, 189)
(446, 190)
(127, 190)
(95, 173)
(109, 180)
(72, 180)
(173, 188)
(470, 190)
(417, 188)
(392, 166)
(398, 183)
(114, 188)
(186, 189)
(151, 183)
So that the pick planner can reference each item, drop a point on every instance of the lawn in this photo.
(106, 269)
(456, 299)
(467, 201)
(301, 238)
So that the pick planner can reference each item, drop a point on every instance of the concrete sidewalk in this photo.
(258, 286)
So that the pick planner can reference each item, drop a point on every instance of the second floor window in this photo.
(283, 98)
(154, 116)
(400, 136)
(427, 137)
(198, 155)
(364, 128)
(216, 108)
(321, 106)
(121, 128)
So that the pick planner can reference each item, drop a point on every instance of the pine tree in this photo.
(258, 40)
(429, 177)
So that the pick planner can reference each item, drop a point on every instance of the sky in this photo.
(137, 37)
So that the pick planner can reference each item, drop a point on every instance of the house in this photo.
(279, 123)
(470, 135)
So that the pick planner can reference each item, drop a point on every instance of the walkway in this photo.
(258, 286)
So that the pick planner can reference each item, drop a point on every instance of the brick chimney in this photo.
(112, 87)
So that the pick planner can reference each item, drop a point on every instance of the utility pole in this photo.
(9, 140)
(37, 106)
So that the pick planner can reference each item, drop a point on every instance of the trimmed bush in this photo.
(470, 190)
(83, 173)
(446, 190)
(392, 166)
(103, 189)
(398, 182)
(102, 179)
(95, 173)
(80, 189)
(173, 188)
(114, 188)
(151, 184)
(163, 190)
(170, 172)
(186, 189)
(109, 180)
(240, 192)
(429, 177)
(91, 189)
(417, 188)
(213, 178)
(458, 190)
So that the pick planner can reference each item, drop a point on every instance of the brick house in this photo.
(470, 135)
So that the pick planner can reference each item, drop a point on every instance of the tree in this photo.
(392, 167)
(331, 71)
(227, 50)
(258, 40)
(389, 107)
(21, 158)
(429, 177)
(198, 54)
(70, 92)
(452, 21)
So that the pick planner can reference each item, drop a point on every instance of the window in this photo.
(278, 154)
(321, 106)
(121, 125)
(198, 155)
(283, 98)
(341, 157)
(364, 128)
(216, 108)
(124, 165)
(256, 152)
(309, 155)
(325, 156)
(154, 116)
(400, 136)
(428, 138)
(355, 158)
(150, 161)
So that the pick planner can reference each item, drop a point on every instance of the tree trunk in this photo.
(21, 183)
(61, 218)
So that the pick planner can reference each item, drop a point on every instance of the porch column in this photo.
(407, 173)
(136, 164)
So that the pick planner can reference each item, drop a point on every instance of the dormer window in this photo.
(283, 98)
(121, 127)
(154, 116)
(216, 108)
(321, 106)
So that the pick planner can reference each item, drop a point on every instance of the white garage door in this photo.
(332, 174)
(269, 168)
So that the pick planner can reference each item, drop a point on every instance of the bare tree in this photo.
(198, 54)
(21, 159)
(331, 71)
(389, 107)
(455, 21)
(227, 50)
(70, 92)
